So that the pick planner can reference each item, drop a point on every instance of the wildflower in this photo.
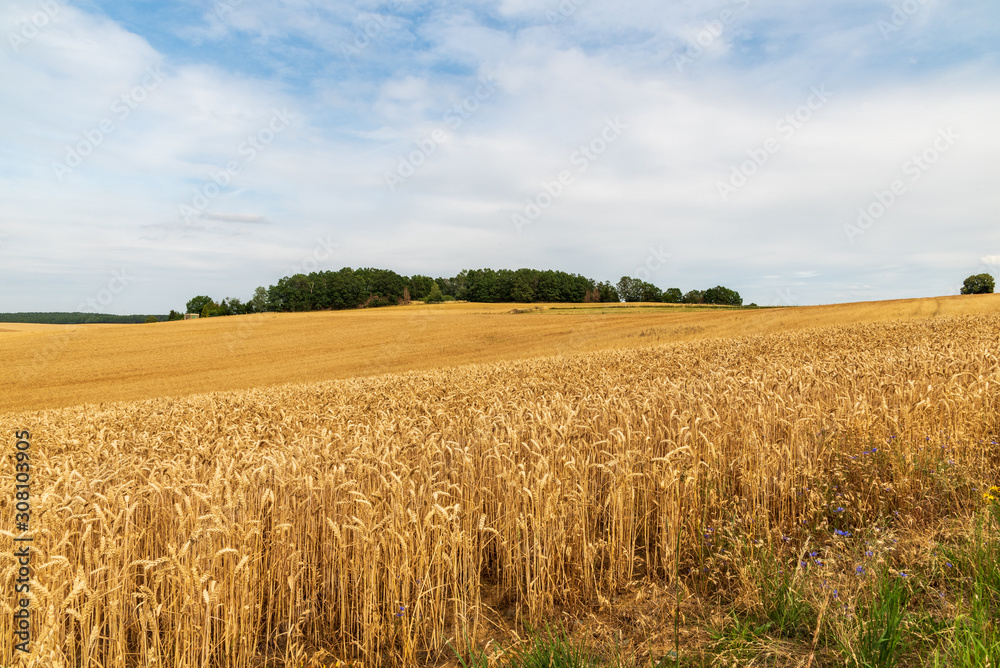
(869, 553)
(860, 570)
(842, 533)
(839, 510)
(948, 564)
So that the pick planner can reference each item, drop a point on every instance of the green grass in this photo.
(552, 651)
(869, 604)
(880, 625)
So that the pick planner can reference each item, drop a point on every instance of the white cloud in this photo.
(559, 83)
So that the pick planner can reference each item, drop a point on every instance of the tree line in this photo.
(368, 287)
(77, 318)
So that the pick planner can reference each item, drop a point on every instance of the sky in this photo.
(797, 152)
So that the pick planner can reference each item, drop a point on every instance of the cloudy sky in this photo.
(799, 152)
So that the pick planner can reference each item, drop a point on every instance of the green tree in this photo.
(420, 286)
(197, 304)
(693, 297)
(608, 292)
(174, 315)
(630, 289)
(151, 318)
(522, 291)
(435, 296)
(723, 296)
(980, 284)
(649, 292)
(258, 303)
(635, 290)
(210, 310)
(672, 296)
(233, 306)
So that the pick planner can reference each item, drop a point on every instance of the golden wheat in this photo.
(57, 366)
(377, 519)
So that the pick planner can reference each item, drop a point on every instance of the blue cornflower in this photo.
(839, 510)
(860, 570)
(842, 533)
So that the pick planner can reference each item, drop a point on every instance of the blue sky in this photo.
(799, 153)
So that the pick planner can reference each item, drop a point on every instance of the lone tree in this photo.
(197, 304)
(980, 284)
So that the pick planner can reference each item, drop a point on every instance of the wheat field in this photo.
(386, 520)
(60, 366)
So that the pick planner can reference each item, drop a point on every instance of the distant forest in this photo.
(76, 318)
(366, 288)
